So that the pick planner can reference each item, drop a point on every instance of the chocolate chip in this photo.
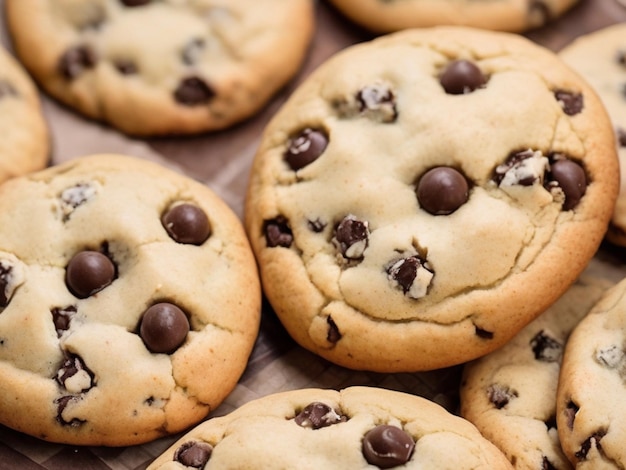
(193, 91)
(76, 60)
(186, 223)
(546, 348)
(621, 136)
(523, 168)
(334, 335)
(378, 102)
(318, 415)
(192, 50)
(482, 333)
(7, 89)
(570, 177)
(461, 76)
(74, 375)
(193, 454)
(316, 225)
(387, 446)
(278, 233)
(75, 196)
(572, 103)
(570, 412)
(591, 441)
(442, 190)
(88, 272)
(412, 275)
(61, 317)
(163, 328)
(135, 3)
(62, 404)
(6, 271)
(126, 66)
(305, 148)
(500, 395)
(546, 464)
(352, 237)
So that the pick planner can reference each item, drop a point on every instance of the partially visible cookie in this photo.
(383, 16)
(600, 57)
(510, 394)
(420, 198)
(151, 67)
(358, 427)
(129, 301)
(25, 143)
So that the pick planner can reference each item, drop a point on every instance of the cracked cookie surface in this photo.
(162, 66)
(415, 202)
(129, 302)
(358, 427)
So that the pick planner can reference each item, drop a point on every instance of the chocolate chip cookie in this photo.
(510, 394)
(358, 427)
(129, 302)
(424, 196)
(383, 16)
(162, 67)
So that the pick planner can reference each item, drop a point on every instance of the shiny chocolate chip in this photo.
(318, 415)
(387, 446)
(7, 89)
(333, 335)
(74, 375)
(570, 177)
(126, 66)
(193, 454)
(305, 148)
(88, 272)
(442, 190)
(278, 233)
(546, 348)
(462, 76)
(378, 101)
(163, 328)
(572, 103)
(352, 237)
(61, 317)
(500, 395)
(76, 60)
(193, 91)
(135, 3)
(186, 223)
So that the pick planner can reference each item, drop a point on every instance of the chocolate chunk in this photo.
(570, 177)
(523, 168)
(570, 411)
(76, 60)
(387, 446)
(88, 272)
(193, 454)
(126, 66)
(6, 271)
(74, 375)
(318, 415)
(186, 223)
(192, 50)
(334, 335)
(193, 91)
(546, 348)
(305, 148)
(591, 441)
(461, 76)
(61, 317)
(378, 102)
(442, 190)
(500, 395)
(163, 328)
(7, 89)
(352, 237)
(412, 275)
(482, 333)
(135, 3)
(62, 404)
(278, 233)
(572, 103)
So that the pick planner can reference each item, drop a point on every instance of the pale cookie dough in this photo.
(600, 57)
(424, 196)
(129, 302)
(383, 16)
(151, 67)
(356, 428)
(510, 394)
(25, 143)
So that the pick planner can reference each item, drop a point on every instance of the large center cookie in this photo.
(129, 302)
(422, 197)
(162, 67)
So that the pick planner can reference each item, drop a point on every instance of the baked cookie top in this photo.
(129, 301)
(358, 427)
(151, 67)
(385, 16)
(422, 197)
(510, 394)
(25, 145)
(600, 57)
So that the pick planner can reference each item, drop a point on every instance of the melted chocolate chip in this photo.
(572, 103)
(387, 446)
(193, 91)
(62, 404)
(186, 223)
(461, 76)
(76, 60)
(570, 411)
(571, 178)
(318, 415)
(192, 51)
(164, 328)
(74, 375)
(88, 272)
(7, 89)
(500, 395)
(546, 348)
(5, 280)
(305, 148)
(591, 441)
(193, 454)
(126, 66)
(378, 102)
(278, 233)
(442, 190)
(62, 317)
(334, 335)
(135, 3)
(352, 236)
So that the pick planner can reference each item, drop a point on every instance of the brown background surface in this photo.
(222, 160)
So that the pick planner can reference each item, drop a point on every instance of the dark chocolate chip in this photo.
(571, 178)
(316, 225)
(546, 348)
(387, 446)
(67, 375)
(546, 464)
(572, 103)
(378, 101)
(192, 51)
(591, 441)
(482, 333)
(570, 412)
(61, 317)
(76, 60)
(461, 76)
(88, 272)
(405, 271)
(278, 233)
(352, 236)
(186, 223)
(126, 66)
(5, 281)
(334, 335)
(442, 190)
(500, 395)
(164, 328)
(318, 415)
(193, 454)
(62, 403)
(7, 89)
(523, 168)
(193, 91)
(305, 148)
(135, 3)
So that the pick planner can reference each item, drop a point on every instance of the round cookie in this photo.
(592, 391)
(510, 394)
(25, 146)
(383, 16)
(600, 57)
(358, 427)
(400, 225)
(130, 302)
(162, 67)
